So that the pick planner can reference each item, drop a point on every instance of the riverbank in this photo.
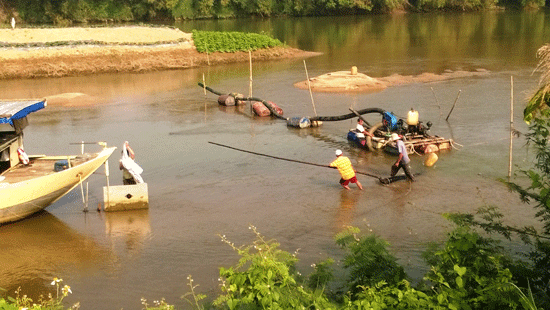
(58, 52)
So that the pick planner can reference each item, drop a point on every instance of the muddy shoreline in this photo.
(42, 53)
(141, 59)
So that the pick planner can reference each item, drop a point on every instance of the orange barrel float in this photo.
(430, 161)
(260, 109)
(226, 100)
(275, 107)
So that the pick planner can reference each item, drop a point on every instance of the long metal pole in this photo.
(511, 124)
(287, 159)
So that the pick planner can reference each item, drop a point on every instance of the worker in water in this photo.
(343, 164)
(131, 171)
(361, 132)
(403, 158)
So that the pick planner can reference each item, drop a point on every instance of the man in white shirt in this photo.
(361, 132)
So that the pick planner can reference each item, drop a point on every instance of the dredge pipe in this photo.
(347, 116)
(316, 118)
(267, 104)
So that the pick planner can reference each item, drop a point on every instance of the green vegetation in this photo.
(63, 12)
(468, 272)
(49, 303)
(214, 41)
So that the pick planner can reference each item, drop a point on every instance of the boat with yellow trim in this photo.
(30, 183)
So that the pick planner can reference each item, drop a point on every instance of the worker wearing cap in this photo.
(343, 164)
(403, 158)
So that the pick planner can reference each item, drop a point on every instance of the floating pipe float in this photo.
(273, 108)
(260, 109)
(299, 121)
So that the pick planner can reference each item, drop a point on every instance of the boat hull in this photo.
(22, 199)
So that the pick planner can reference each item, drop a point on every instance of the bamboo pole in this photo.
(458, 95)
(250, 80)
(511, 125)
(207, 56)
(204, 84)
(436, 101)
(107, 178)
(309, 87)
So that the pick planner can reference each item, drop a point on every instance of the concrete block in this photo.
(126, 197)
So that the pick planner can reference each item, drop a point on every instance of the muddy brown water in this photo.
(198, 190)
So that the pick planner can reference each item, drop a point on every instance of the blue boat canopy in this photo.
(16, 109)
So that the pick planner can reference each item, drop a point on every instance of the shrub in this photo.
(214, 41)
(368, 260)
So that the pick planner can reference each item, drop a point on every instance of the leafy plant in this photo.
(265, 278)
(321, 275)
(385, 296)
(368, 260)
(214, 41)
(196, 297)
(468, 273)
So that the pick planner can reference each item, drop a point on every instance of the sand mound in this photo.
(345, 81)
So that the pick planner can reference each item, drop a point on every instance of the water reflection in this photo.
(382, 44)
(37, 249)
(131, 228)
(346, 209)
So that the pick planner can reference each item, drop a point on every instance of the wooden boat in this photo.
(28, 188)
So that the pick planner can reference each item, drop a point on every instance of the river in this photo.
(198, 191)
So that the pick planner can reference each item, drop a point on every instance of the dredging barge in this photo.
(414, 132)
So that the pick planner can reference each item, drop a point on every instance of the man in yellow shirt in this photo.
(343, 164)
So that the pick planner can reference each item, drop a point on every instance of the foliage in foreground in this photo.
(265, 278)
(44, 303)
(468, 272)
(215, 41)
